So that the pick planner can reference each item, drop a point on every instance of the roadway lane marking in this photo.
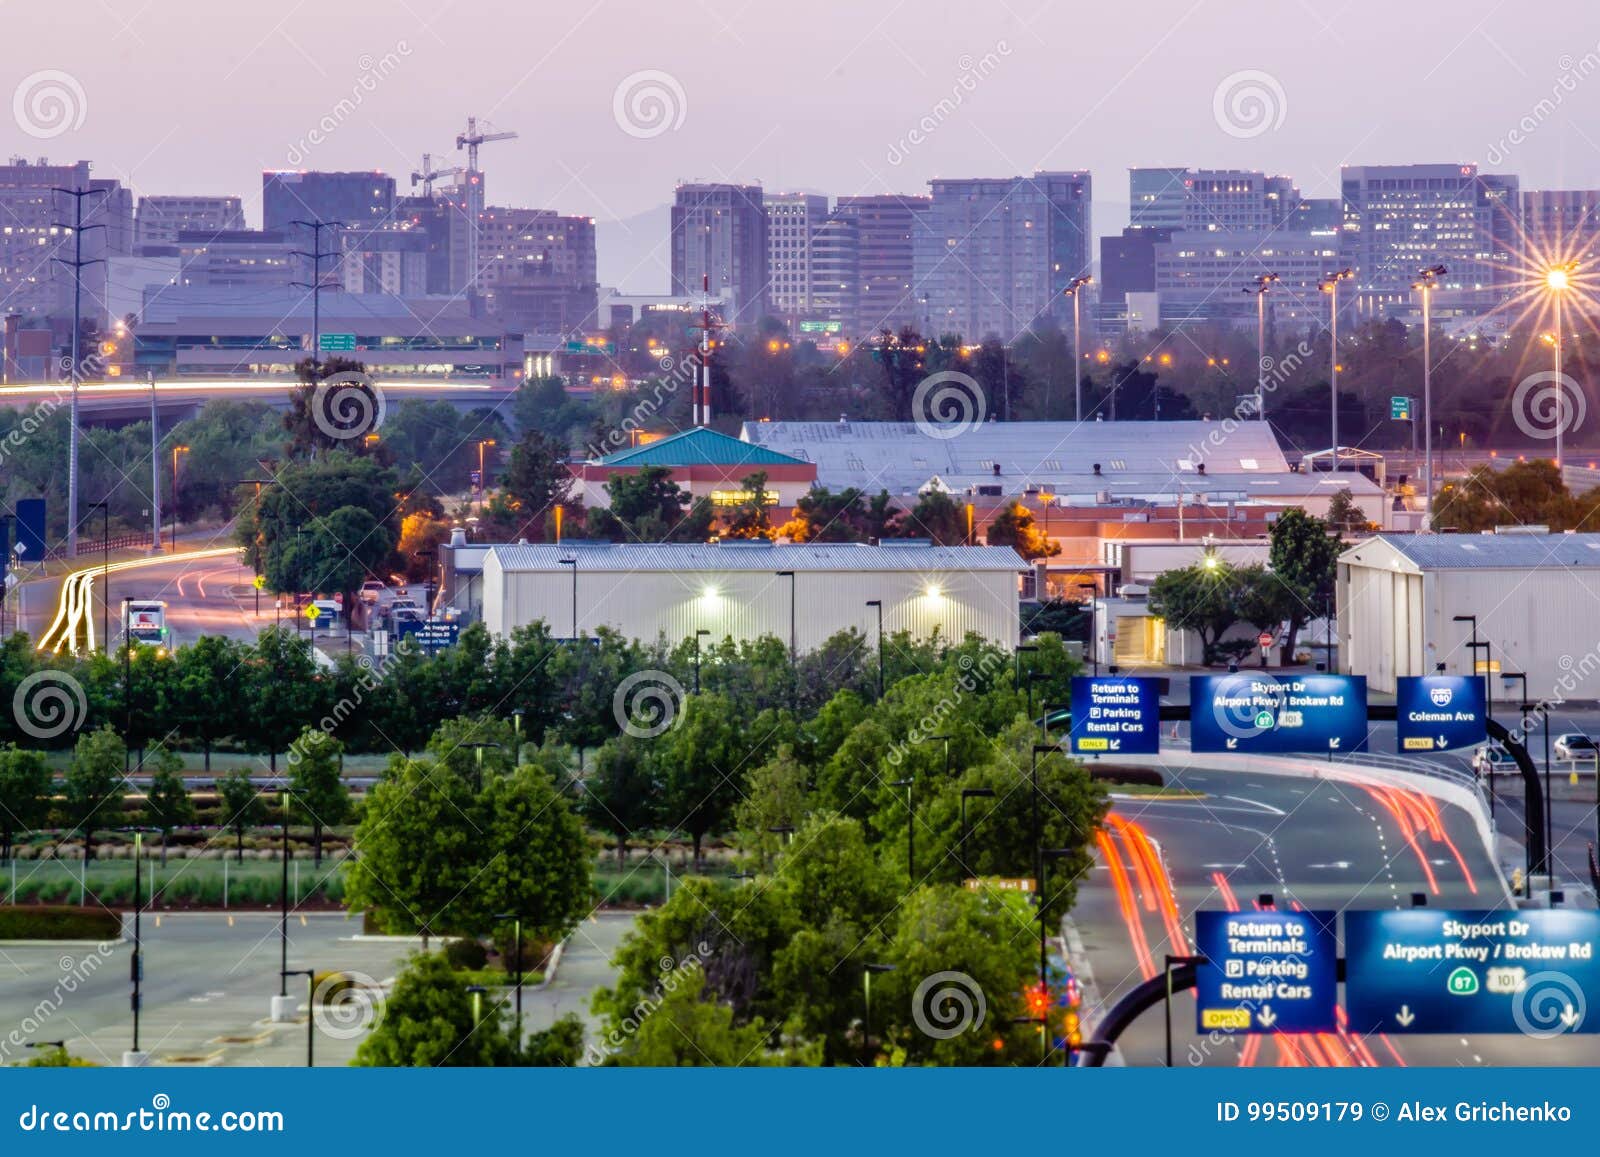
(1255, 803)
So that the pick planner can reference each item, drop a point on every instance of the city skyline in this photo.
(850, 110)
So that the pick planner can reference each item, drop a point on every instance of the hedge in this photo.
(45, 922)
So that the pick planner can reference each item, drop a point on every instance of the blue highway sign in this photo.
(1527, 971)
(1439, 712)
(1266, 971)
(1115, 714)
(1278, 714)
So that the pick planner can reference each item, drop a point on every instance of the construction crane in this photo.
(427, 175)
(470, 140)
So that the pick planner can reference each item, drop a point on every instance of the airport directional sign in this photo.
(1265, 713)
(1439, 712)
(1115, 714)
(332, 343)
(1428, 970)
(1266, 971)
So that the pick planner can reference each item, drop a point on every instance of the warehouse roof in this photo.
(699, 447)
(902, 456)
(1501, 551)
(748, 556)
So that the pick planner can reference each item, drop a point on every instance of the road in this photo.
(208, 982)
(1311, 842)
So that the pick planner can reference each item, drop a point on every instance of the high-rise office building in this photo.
(1397, 219)
(812, 263)
(161, 218)
(357, 201)
(1210, 200)
(998, 253)
(1156, 197)
(246, 260)
(539, 269)
(33, 282)
(886, 226)
(719, 241)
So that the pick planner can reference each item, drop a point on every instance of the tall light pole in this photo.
(483, 479)
(1330, 286)
(911, 844)
(1074, 290)
(76, 370)
(879, 604)
(1427, 281)
(1557, 279)
(1259, 292)
(176, 451)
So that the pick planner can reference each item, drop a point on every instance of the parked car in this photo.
(1574, 746)
(371, 591)
(1489, 759)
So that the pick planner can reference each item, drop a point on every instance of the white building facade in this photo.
(800, 594)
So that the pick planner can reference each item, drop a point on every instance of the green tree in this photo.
(242, 806)
(685, 1030)
(539, 480)
(428, 1022)
(1014, 527)
(1198, 599)
(316, 785)
(93, 789)
(336, 552)
(1264, 599)
(534, 857)
(776, 796)
(167, 803)
(24, 795)
(335, 407)
(701, 756)
(820, 515)
(621, 794)
(650, 507)
(936, 516)
(1304, 555)
(1344, 515)
(204, 706)
(752, 517)
(283, 688)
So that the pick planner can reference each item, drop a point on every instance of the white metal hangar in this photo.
(1407, 602)
(803, 594)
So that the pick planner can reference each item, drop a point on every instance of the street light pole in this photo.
(866, 985)
(911, 852)
(311, 1011)
(1171, 963)
(1259, 291)
(966, 794)
(794, 648)
(1094, 624)
(1427, 281)
(1330, 286)
(1074, 290)
(879, 604)
(517, 964)
(1556, 279)
(700, 631)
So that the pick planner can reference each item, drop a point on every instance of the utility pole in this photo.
(76, 265)
(315, 285)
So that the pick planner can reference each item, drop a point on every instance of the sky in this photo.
(615, 102)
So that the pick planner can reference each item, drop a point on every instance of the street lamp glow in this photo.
(1556, 279)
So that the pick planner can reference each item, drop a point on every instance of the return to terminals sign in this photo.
(1115, 715)
(1439, 712)
(1266, 971)
(1276, 714)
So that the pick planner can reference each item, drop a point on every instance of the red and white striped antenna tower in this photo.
(706, 326)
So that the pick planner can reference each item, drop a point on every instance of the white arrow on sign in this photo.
(1266, 1016)
(1405, 1016)
(1333, 744)
(1571, 1017)
(1232, 743)
(1116, 745)
(1442, 743)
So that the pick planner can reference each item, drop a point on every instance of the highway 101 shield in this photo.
(1266, 971)
(1278, 714)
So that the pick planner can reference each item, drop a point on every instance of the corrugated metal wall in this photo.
(747, 605)
(1380, 624)
(1545, 623)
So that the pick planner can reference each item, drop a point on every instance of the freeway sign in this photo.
(1400, 409)
(431, 635)
(333, 343)
(1507, 971)
(1278, 714)
(1266, 971)
(1112, 713)
(1439, 712)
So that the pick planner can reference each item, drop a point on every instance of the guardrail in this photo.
(116, 542)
